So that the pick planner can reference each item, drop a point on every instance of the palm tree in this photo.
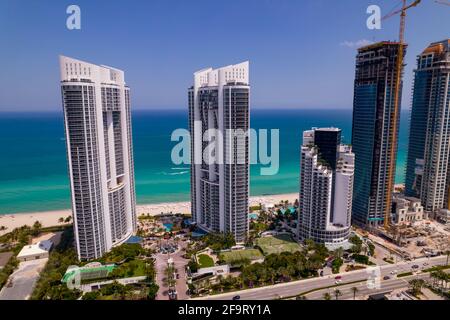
(355, 291)
(434, 276)
(337, 293)
(338, 252)
(326, 296)
(61, 220)
(442, 277)
(416, 285)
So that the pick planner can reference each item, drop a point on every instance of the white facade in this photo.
(35, 251)
(97, 118)
(325, 199)
(428, 166)
(219, 100)
(406, 210)
(343, 195)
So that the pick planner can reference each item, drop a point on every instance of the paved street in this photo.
(23, 280)
(294, 288)
(364, 290)
(180, 264)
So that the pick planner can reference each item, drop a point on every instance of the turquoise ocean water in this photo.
(33, 169)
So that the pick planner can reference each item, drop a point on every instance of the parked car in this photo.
(415, 266)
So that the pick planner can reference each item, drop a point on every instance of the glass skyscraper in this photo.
(375, 127)
(428, 167)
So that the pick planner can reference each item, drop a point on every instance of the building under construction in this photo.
(376, 117)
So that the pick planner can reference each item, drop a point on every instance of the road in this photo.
(364, 290)
(180, 265)
(302, 286)
(23, 280)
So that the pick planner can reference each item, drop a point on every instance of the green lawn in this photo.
(238, 255)
(205, 261)
(277, 244)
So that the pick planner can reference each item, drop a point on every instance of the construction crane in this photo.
(393, 124)
(446, 3)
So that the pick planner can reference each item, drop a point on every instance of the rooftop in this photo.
(38, 248)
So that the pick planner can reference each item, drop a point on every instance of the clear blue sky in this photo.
(300, 51)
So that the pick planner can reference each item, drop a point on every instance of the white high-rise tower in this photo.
(97, 118)
(219, 100)
(326, 188)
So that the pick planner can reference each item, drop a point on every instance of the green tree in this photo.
(93, 295)
(337, 293)
(336, 265)
(416, 286)
(371, 247)
(152, 291)
(193, 266)
(355, 291)
(36, 229)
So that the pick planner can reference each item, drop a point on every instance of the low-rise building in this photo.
(93, 270)
(215, 271)
(406, 210)
(443, 216)
(39, 250)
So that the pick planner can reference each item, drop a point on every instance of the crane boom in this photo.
(443, 2)
(393, 122)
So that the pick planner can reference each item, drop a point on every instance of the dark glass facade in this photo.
(376, 120)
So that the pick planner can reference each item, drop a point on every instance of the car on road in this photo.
(338, 277)
(394, 271)
(237, 298)
(386, 278)
(338, 281)
(415, 266)
(425, 264)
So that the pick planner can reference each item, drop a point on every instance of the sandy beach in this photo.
(50, 218)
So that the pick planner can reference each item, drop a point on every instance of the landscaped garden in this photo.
(205, 261)
(236, 256)
(277, 244)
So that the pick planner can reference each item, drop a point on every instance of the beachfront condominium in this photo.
(376, 117)
(326, 188)
(97, 118)
(428, 164)
(219, 111)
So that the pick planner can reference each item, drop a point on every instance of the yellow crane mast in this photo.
(393, 124)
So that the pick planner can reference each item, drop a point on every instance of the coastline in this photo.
(50, 218)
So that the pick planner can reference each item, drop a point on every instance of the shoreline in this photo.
(50, 218)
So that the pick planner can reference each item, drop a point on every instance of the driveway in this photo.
(23, 280)
(180, 264)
